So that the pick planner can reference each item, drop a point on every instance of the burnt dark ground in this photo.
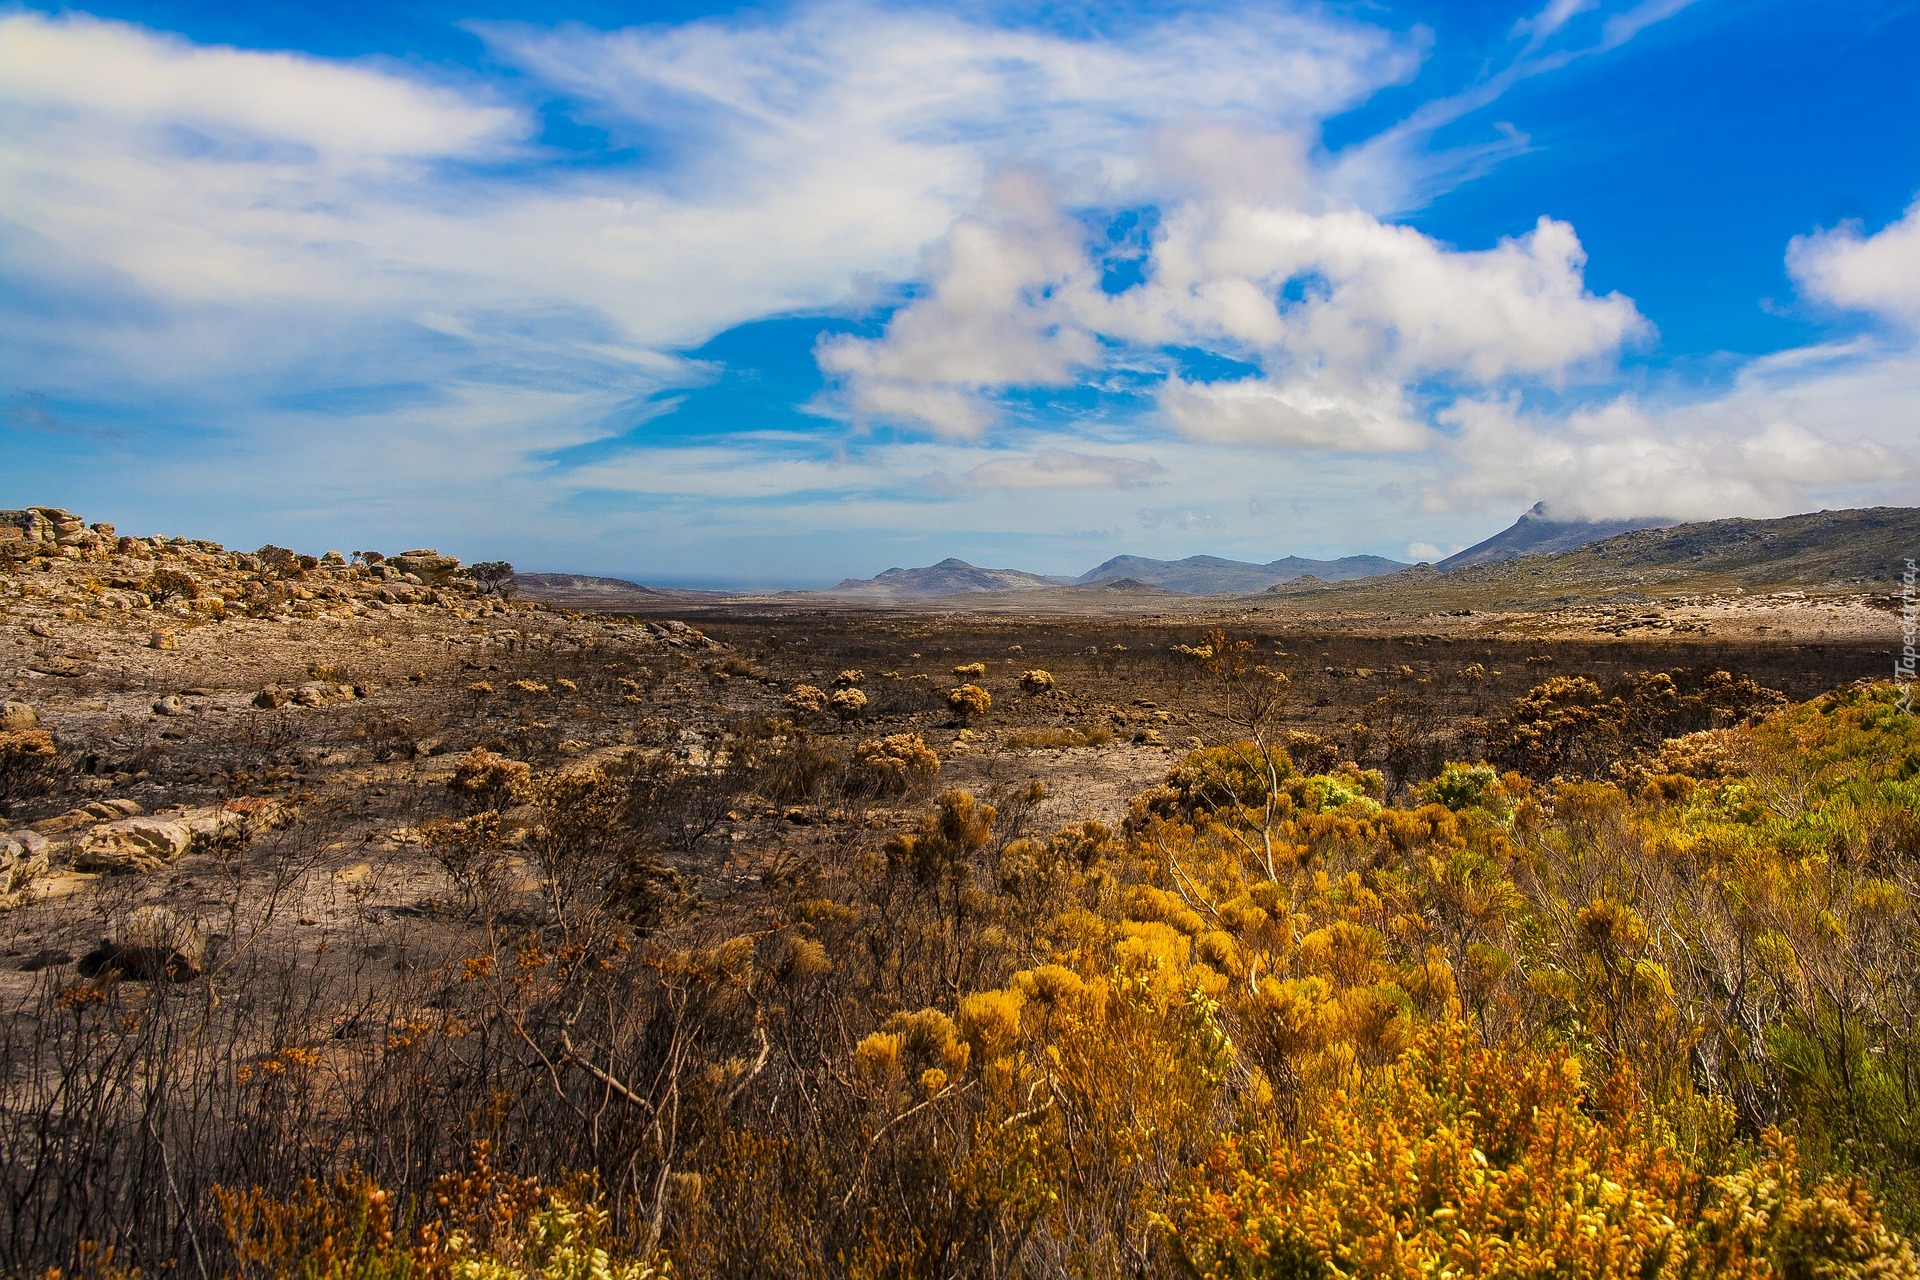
(332, 929)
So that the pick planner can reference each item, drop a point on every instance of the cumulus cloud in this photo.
(1301, 414)
(1341, 311)
(1878, 273)
(1828, 424)
(1003, 285)
(1790, 433)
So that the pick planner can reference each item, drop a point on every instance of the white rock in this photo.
(133, 844)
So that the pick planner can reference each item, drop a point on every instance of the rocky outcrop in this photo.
(148, 843)
(427, 565)
(132, 844)
(52, 531)
(314, 693)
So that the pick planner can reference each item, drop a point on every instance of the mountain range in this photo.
(1213, 576)
(1535, 533)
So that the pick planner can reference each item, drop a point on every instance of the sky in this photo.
(753, 296)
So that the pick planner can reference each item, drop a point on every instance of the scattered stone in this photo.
(314, 693)
(163, 639)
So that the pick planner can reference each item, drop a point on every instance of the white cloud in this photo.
(1299, 415)
(1879, 273)
(251, 216)
(1550, 19)
(1000, 313)
(82, 71)
(1830, 424)
(1015, 302)
(1378, 298)
(1831, 428)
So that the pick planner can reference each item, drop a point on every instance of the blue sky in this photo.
(776, 295)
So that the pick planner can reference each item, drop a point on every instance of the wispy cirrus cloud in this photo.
(1066, 469)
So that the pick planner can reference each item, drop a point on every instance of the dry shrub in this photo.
(170, 584)
(471, 854)
(1521, 1170)
(971, 671)
(483, 1225)
(850, 677)
(968, 701)
(1035, 681)
(806, 699)
(848, 704)
(29, 763)
(491, 779)
(896, 763)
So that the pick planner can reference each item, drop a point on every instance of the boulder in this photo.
(426, 565)
(318, 693)
(163, 640)
(17, 716)
(171, 705)
(149, 944)
(270, 697)
(33, 528)
(69, 530)
(133, 844)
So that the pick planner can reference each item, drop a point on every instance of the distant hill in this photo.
(584, 591)
(1852, 552)
(950, 577)
(1122, 584)
(1213, 576)
(1537, 533)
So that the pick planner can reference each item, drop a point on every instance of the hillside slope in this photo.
(1826, 552)
(1538, 533)
(948, 578)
